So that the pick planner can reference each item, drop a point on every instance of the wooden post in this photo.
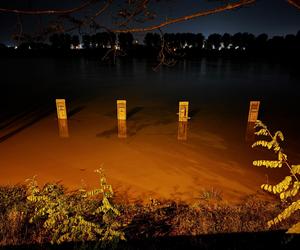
(121, 109)
(183, 111)
(182, 131)
(61, 109)
(63, 128)
(122, 129)
(253, 111)
(250, 136)
(62, 120)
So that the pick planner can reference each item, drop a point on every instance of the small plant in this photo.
(211, 194)
(74, 217)
(288, 188)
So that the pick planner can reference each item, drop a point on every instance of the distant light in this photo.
(236, 47)
(79, 46)
(16, 47)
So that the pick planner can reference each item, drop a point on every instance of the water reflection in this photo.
(182, 131)
(63, 128)
(250, 136)
(122, 129)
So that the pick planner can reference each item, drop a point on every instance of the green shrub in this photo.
(75, 217)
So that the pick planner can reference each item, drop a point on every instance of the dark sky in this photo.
(274, 17)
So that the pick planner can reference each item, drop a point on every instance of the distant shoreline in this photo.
(142, 52)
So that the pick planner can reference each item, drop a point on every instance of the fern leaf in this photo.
(260, 124)
(295, 229)
(268, 164)
(262, 131)
(261, 143)
(286, 213)
(280, 187)
(291, 193)
(94, 192)
(282, 156)
(296, 169)
(280, 135)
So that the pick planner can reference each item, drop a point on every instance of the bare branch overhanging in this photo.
(48, 12)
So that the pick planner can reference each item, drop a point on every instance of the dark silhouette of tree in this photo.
(237, 40)
(2, 46)
(60, 41)
(75, 40)
(152, 40)
(226, 40)
(290, 42)
(276, 43)
(125, 40)
(261, 42)
(33, 46)
(248, 41)
(213, 41)
(87, 41)
(199, 40)
(170, 40)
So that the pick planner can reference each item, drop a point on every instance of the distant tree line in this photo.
(179, 41)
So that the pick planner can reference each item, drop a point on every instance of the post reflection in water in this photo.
(63, 128)
(182, 131)
(250, 136)
(122, 129)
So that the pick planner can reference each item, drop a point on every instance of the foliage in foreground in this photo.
(74, 217)
(22, 222)
(288, 188)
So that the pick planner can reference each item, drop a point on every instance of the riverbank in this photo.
(208, 222)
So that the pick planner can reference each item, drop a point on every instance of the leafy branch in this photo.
(74, 217)
(288, 188)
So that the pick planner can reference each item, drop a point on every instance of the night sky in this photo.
(274, 17)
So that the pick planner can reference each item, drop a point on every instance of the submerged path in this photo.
(149, 162)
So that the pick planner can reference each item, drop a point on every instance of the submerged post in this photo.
(253, 111)
(252, 118)
(183, 111)
(61, 109)
(182, 131)
(63, 128)
(183, 117)
(121, 109)
(62, 118)
(122, 129)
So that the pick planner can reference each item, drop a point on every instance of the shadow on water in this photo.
(133, 111)
(26, 121)
(194, 112)
(133, 128)
(75, 111)
(29, 118)
(244, 241)
(108, 133)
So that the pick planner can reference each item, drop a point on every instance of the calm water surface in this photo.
(218, 90)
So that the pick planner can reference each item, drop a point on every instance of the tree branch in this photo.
(49, 12)
(295, 3)
(187, 17)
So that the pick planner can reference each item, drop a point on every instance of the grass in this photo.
(210, 215)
